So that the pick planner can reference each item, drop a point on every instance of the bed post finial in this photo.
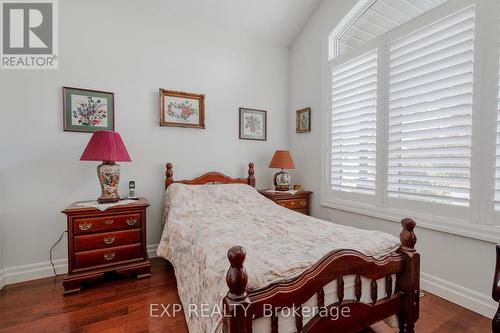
(407, 236)
(169, 175)
(251, 172)
(236, 303)
(237, 277)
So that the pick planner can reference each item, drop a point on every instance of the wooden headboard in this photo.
(210, 177)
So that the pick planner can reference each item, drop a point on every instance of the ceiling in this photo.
(276, 21)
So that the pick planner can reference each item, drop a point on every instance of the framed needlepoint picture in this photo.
(182, 109)
(253, 124)
(87, 110)
(303, 121)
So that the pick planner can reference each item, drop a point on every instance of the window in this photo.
(430, 112)
(376, 17)
(424, 138)
(354, 116)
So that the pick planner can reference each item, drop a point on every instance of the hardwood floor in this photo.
(124, 306)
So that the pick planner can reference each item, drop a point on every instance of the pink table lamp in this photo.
(108, 147)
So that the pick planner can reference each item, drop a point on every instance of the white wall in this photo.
(133, 50)
(457, 268)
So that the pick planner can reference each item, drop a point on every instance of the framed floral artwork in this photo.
(182, 109)
(87, 110)
(303, 121)
(253, 124)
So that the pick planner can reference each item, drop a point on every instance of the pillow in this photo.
(202, 197)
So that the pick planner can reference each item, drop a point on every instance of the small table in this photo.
(104, 241)
(299, 202)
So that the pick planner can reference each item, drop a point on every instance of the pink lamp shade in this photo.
(105, 146)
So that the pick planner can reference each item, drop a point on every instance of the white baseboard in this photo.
(39, 270)
(465, 297)
(2, 280)
(34, 271)
(152, 250)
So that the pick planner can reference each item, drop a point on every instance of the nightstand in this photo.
(299, 202)
(104, 241)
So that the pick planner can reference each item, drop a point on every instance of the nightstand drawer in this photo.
(107, 239)
(106, 223)
(298, 201)
(293, 203)
(108, 256)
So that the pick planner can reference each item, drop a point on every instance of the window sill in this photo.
(487, 233)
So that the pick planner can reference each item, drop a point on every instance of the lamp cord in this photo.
(52, 248)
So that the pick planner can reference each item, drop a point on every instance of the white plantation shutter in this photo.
(430, 112)
(497, 169)
(380, 17)
(354, 115)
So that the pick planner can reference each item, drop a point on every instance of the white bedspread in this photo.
(203, 221)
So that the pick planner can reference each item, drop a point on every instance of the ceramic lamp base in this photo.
(109, 177)
(282, 181)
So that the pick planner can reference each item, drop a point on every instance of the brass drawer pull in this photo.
(109, 240)
(292, 203)
(109, 256)
(109, 222)
(85, 226)
(303, 203)
(132, 221)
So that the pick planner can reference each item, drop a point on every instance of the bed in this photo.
(300, 274)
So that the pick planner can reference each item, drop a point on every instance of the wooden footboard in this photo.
(241, 306)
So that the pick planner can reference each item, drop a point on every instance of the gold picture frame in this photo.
(181, 109)
(303, 120)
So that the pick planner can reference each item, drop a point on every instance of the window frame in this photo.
(356, 11)
(492, 82)
(479, 220)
